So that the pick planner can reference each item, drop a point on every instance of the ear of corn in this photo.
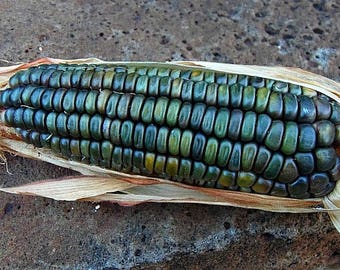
(206, 128)
(129, 189)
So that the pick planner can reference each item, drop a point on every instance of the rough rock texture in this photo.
(39, 233)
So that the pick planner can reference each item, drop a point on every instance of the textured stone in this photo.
(39, 233)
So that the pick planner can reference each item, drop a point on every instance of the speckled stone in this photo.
(39, 233)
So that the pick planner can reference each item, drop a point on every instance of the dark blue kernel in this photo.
(198, 146)
(197, 115)
(150, 138)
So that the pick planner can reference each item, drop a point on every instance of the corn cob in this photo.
(198, 127)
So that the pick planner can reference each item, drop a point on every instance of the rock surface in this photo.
(38, 233)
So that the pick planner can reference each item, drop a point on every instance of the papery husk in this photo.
(98, 184)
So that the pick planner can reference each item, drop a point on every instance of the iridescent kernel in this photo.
(149, 162)
(138, 161)
(197, 75)
(274, 166)
(185, 168)
(118, 81)
(323, 108)
(262, 186)
(130, 82)
(124, 106)
(162, 140)
(186, 142)
(136, 107)
(262, 159)
(142, 84)
(91, 101)
(106, 150)
(308, 92)
(198, 146)
(96, 123)
(325, 132)
(227, 178)
(115, 128)
(289, 171)
(249, 97)
(257, 82)
(234, 163)
(150, 138)
(198, 170)
(95, 154)
(209, 120)
(127, 160)
(295, 89)
(174, 141)
(138, 136)
(307, 138)
(224, 153)
(290, 138)
(85, 79)
(325, 158)
(263, 124)
(165, 86)
(187, 91)
(279, 189)
(235, 124)
(221, 123)
(223, 95)
(160, 110)
(108, 79)
(211, 97)
(117, 158)
(211, 176)
(248, 126)
(211, 151)
(307, 112)
(281, 87)
(171, 167)
(160, 162)
(197, 116)
(245, 179)
(335, 116)
(275, 105)
(61, 125)
(147, 111)
(299, 188)
(305, 163)
(236, 92)
(173, 112)
(97, 80)
(290, 106)
(176, 88)
(275, 134)
(126, 132)
(58, 99)
(319, 183)
(200, 91)
(69, 101)
(249, 156)
(153, 87)
(262, 99)
(184, 115)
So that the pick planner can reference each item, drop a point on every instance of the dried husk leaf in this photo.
(100, 184)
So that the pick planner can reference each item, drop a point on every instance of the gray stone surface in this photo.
(38, 233)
